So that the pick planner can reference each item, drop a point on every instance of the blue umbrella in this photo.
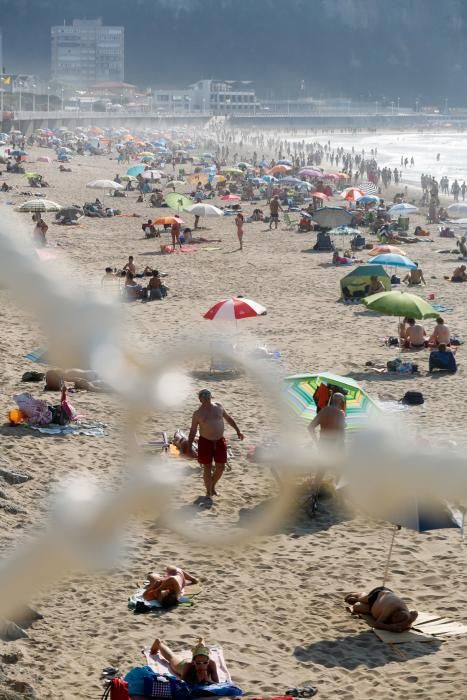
(135, 170)
(394, 260)
(290, 180)
(368, 199)
(284, 161)
(269, 178)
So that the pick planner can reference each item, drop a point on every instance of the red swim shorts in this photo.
(212, 450)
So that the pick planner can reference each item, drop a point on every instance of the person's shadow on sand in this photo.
(361, 649)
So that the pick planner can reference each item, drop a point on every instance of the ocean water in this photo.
(424, 147)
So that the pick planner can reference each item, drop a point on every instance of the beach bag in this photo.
(413, 398)
(165, 687)
(116, 690)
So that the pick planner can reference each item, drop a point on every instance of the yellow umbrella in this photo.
(198, 177)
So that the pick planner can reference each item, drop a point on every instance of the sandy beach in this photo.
(276, 606)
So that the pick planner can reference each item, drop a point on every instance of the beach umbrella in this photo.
(146, 154)
(280, 169)
(394, 260)
(168, 221)
(151, 175)
(285, 161)
(198, 177)
(40, 205)
(368, 199)
(218, 178)
(329, 217)
(351, 194)
(128, 178)
(300, 388)
(310, 172)
(104, 185)
(401, 304)
(231, 198)
(458, 210)
(403, 209)
(18, 152)
(178, 201)
(135, 170)
(342, 230)
(343, 176)
(290, 180)
(320, 195)
(269, 178)
(383, 248)
(234, 309)
(208, 210)
(330, 176)
(368, 187)
(232, 171)
(172, 183)
(244, 166)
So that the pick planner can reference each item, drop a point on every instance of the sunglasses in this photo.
(201, 663)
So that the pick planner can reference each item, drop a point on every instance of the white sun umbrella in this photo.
(104, 185)
(234, 309)
(151, 175)
(457, 210)
(403, 209)
(204, 210)
(40, 205)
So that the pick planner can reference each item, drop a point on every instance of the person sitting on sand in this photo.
(415, 335)
(459, 274)
(155, 288)
(200, 670)
(330, 420)
(169, 587)
(375, 286)
(403, 325)
(441, 334)
(414, 277)
(109, 276)
(389, 611)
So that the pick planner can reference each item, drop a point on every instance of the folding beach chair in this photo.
(219, 362)
(290, 223)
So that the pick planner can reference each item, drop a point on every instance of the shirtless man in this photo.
(209, 419)
(130, 266)
(459, 274)
(414, 277)
(387, 609)
(415, 334)
(441, 334)
(331, 420)
(274, 207)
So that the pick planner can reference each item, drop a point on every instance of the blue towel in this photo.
(441, 307)
(216, 689)
(38, 355)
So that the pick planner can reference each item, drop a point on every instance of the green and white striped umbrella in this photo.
(40, 205)
(299, 390)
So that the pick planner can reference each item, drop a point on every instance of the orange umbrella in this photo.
(168, 221)
(279, 169)
(382, 249)
(344, 176)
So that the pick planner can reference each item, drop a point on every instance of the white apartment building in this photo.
(213, 97)
(86, 52)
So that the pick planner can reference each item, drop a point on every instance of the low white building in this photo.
(210, 97)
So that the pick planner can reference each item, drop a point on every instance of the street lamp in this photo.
(392, 109)
(62, 99)
(20, 95)
(48, 98)
(34, 97)
(398, 104)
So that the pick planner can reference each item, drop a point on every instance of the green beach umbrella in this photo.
(179, 202)
(400, 304)
(299, 390)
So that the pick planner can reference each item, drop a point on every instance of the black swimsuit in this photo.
(373, 595)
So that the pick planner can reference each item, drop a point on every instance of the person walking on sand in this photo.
(239, 220)
(212, 447)
(274, 208)
(175, 231)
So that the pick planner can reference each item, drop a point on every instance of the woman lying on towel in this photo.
(201, 669)
(169, 587)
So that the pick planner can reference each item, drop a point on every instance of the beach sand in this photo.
(276, 605)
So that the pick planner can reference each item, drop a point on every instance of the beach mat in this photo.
(186, 600)
(216, 653)
(89, 429)
(212, 247)
(39, 355)
(427, 627)
(396, 637)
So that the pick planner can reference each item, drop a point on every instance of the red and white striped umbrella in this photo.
(234, 309)
(351, 194)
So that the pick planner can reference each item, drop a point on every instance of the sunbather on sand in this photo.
(169, 587)
(201, 669)
(86, 380)
(387, 609)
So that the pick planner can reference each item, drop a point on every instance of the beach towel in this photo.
(428, 627)
(441, 308)
(216, 653)
(45, 255)
(212, 247)
(81, 428)
(39, 355)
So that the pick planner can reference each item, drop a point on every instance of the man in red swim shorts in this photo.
(212, 447)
